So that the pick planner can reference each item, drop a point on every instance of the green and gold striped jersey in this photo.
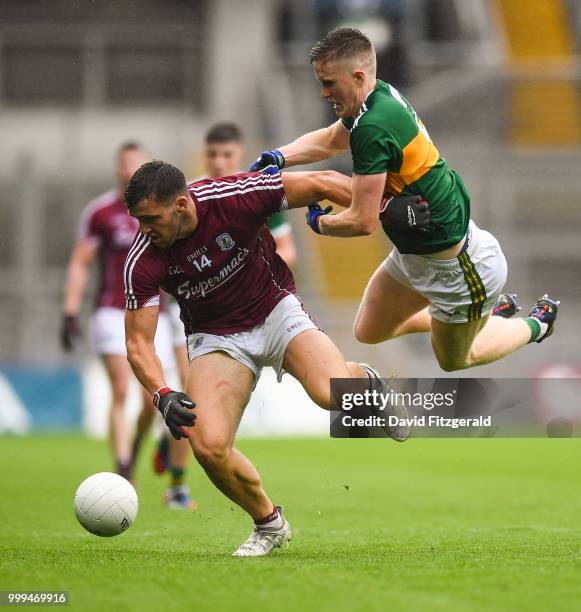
(388, 136)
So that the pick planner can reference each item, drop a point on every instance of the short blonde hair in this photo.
(339, 44)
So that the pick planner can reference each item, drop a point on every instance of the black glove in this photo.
(405, 214)
(270, 162)
(175, 408)
(70, 332)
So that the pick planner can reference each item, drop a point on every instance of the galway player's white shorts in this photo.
(177, 327)
(462, 289)
(263, 345)
(108, 334)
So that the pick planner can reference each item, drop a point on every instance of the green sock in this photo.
(535, 328)
(177, 477)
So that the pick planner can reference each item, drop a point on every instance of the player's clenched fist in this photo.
(175, 408)
(405, 214)
(314, 212)
(270, 162)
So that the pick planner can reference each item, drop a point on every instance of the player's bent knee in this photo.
(364, 335)
(119, 394)
(322, 397)
(452, 365)
(119, 386)
(211, 453)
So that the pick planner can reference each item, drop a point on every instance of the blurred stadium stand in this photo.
(496, 82)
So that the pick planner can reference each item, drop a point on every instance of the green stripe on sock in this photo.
(177, 476)
(534, 327)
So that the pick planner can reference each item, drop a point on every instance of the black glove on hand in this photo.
(70, 332)
(174, 406)
(405, 214)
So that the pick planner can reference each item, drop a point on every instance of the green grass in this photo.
(427, 525)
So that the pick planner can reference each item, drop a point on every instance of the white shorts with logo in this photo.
(108, 334)
(264, 345)
(462, 289)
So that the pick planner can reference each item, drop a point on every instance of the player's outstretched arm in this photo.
(316, 146)
(361, 196)
(303, 188)
(311, 147)
(362, 216)
(140, 326)
(174, 406)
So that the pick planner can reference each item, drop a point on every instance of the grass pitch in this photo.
(426, 525)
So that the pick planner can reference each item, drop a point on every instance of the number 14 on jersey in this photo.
(201, 263)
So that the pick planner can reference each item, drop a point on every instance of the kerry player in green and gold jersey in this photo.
(446, 281)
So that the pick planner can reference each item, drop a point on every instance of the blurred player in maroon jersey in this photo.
(107, 232)
(206, 245)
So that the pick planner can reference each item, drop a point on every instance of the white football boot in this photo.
(265, 539)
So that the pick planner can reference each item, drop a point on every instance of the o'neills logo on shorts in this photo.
(198, 342)
(295, 325)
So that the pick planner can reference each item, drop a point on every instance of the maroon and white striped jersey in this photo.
(106, 223)
(226, 275)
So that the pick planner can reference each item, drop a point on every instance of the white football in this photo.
(106, 504)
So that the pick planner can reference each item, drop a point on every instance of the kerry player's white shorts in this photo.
(263, 345)
(462, 289)
(108, 334)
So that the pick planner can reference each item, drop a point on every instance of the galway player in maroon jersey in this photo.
(206, 245)
(106, 234)
(223, 154)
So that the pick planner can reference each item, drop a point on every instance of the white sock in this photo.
(276, 523)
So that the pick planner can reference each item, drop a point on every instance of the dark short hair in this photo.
(155, 179)
(339, 44)
(223, 132)
(130, 145)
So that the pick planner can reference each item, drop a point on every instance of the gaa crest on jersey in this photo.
(225, 241)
